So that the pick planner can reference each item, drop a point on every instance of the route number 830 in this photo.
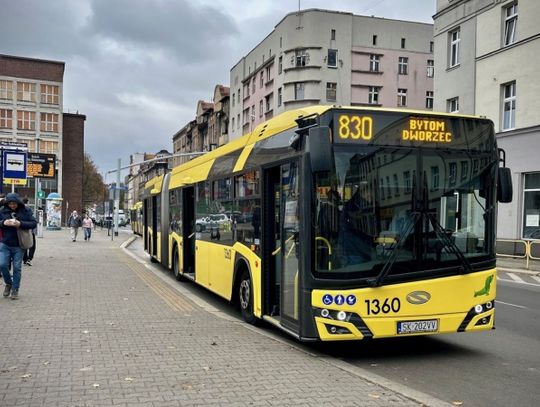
(355, 127)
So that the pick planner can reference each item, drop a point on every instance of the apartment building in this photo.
(487, 54)
(327, 57)
(208, 130)
(31, 111)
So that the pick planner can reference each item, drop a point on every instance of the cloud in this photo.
(136, 68)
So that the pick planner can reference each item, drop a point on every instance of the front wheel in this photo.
(176, 265)
(245, 298)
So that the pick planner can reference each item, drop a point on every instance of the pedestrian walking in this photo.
(29, 253)
(74, 222)
(87, 225)
(13, 215)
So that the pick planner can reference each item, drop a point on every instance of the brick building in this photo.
(73, 158)
(31, 112)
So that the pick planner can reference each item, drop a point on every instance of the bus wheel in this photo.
(245, 298)
(176, 266)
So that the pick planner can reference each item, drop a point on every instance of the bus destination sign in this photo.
(391, 128)
(427, 130)
(41, 165)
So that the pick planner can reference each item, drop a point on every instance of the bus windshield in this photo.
(397, 210)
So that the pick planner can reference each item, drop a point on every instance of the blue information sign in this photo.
(14, 167)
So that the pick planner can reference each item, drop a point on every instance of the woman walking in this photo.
(87, 225)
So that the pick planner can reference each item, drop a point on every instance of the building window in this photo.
(403, 43)
(26, 91)
(253, 85)
(280, 65)
(6, 90)
(232, 124)
(434, 177)
(430, 68)
(454, 47)
(49, 94)
(509, 106)
(429, 99)
(331, 91)
(403, 65)
(246, 89)
(26, 120)
(252, 117)
(6, 118)
(279, 97)
(452, 173)
(261, 80)
(374, 62)
(301, 58)
(374, 40)
(510, 23)
(267, 74)
(299, 88)
(373, 95)
(238, 94)
(238, 121)
(402, 97)
(332, 34)
(267, 100)
(531, 206)
(452, 105)
(332, 58)
(233, 98)
(48, 147)
(261, 111)
(431, 46)
(48, 122)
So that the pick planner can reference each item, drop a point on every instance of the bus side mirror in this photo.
(320, 149)
(504, 185)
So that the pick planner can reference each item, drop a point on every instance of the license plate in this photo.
(412, 327)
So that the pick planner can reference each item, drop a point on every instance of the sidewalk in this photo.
(94, 327)
(518, 265)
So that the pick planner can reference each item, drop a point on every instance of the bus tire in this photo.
(176, 265)
(245, 298)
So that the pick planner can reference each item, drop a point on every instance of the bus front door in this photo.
(188, 231)
(281, 244)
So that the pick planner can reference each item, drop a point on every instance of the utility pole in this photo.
(117, 197)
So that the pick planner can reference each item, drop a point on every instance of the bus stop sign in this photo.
(14, 167)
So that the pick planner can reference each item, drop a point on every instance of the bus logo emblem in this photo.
(418, 297)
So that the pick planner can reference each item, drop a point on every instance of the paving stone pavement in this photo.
(93, 327)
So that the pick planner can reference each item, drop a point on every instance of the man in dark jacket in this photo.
(13, 215)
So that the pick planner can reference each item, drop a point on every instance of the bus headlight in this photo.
(341, 315)
(478, 309)
(325, 313)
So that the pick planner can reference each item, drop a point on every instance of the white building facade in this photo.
(326, 57)
(487, 58)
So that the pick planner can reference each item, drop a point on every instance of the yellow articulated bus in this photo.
(337, 223)
(135, 218)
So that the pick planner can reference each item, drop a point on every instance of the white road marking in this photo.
(515, 277)
(512, 305)
(536, 278)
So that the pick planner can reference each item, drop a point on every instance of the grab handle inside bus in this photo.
(320, 149)
(504, 180)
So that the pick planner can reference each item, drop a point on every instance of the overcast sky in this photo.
(136, 68)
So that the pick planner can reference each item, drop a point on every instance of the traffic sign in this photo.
(14, 167)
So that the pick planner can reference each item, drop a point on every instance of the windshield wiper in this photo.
(452, 247)
(408, 228)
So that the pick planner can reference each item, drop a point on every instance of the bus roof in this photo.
(198, 168)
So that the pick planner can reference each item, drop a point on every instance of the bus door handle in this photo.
(190, 236)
